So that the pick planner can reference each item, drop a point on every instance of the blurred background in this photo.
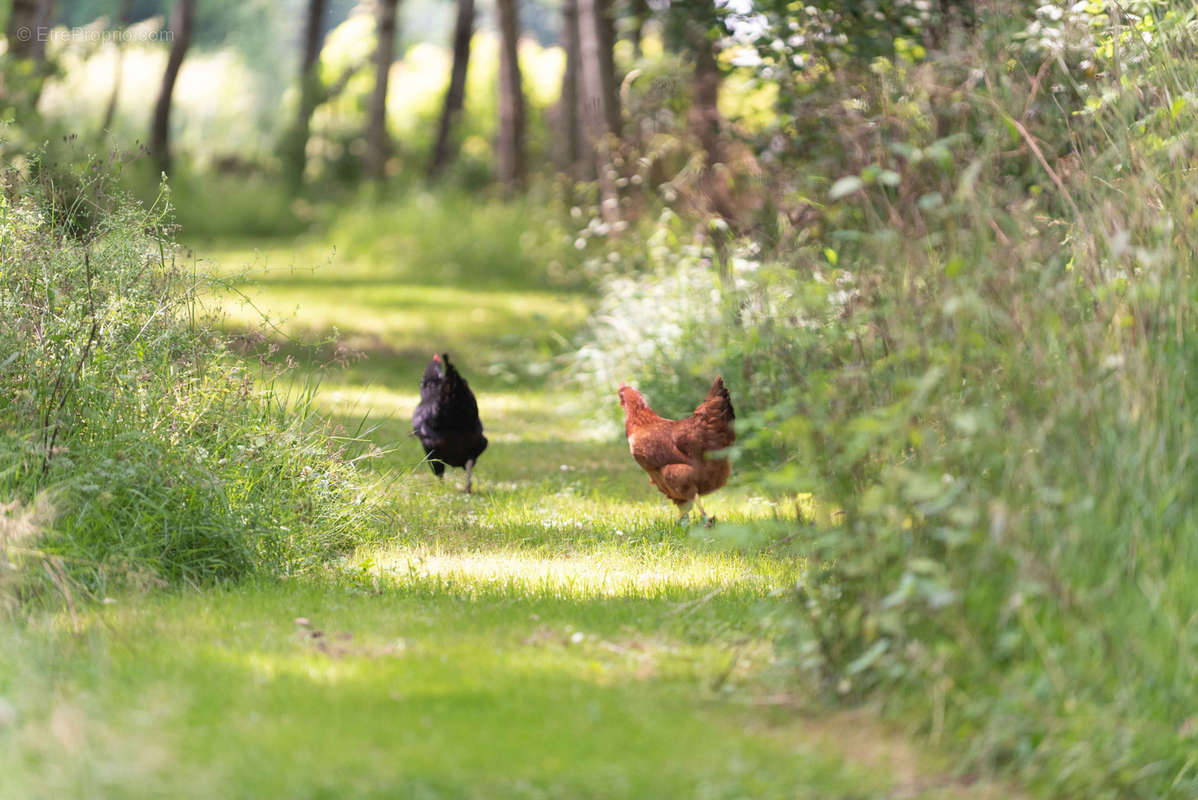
(263, 111)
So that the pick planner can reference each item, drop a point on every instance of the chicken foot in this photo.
(686, 511)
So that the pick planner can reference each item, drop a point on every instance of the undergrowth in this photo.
(971, 335)
(162, 459)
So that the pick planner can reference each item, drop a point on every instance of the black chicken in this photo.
(446, 421)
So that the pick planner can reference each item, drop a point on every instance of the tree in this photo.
(704, 117)
(599, 99)
(510, 149)
(123, 19)
(640, 12)
(42, 18)
(182, 23)
(28, 22)
(378, 144)
(295, 142)
(455, 95)
(571, 129)
(605, 29)
(20, 32)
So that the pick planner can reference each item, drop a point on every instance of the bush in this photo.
(655, 321)
(162, 455)
(976, 347)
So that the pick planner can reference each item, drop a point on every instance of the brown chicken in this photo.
(674, 451)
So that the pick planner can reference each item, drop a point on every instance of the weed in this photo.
(162, 451)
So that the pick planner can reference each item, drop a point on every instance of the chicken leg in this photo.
(469, 470)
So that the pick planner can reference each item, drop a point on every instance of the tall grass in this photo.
(165, 459)
(981, 352)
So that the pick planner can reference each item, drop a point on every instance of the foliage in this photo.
(967, 330)
(659, 319)
(164, 457)
(817, 34)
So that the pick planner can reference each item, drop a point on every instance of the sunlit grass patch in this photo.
(648, 572)
(401, 317)
(306, 294)
(525, 497)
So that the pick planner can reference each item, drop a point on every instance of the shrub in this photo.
(162, 454)
(654, 323)
(977, 348)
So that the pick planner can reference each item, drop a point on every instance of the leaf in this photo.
(867, 659)
(845, 186)
(930, 201)
(925, 566)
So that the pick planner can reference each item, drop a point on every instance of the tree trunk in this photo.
(43, 18)
(571, 129)
(605, 26)
(704, 117)
(182, 22)
(27, 32)
(704, 114)
(951, 15)
(598, 92)
(455, 95)
(378, 144)
(295, 145)
(20, 33)
(639, 9)
(125, 15)
(510, 150)
(313, 38)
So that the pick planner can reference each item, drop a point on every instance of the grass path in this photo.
(552, 636)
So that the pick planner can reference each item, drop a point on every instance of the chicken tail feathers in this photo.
(718, 403)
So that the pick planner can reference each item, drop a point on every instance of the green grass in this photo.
(553, 635)
(419, 687)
